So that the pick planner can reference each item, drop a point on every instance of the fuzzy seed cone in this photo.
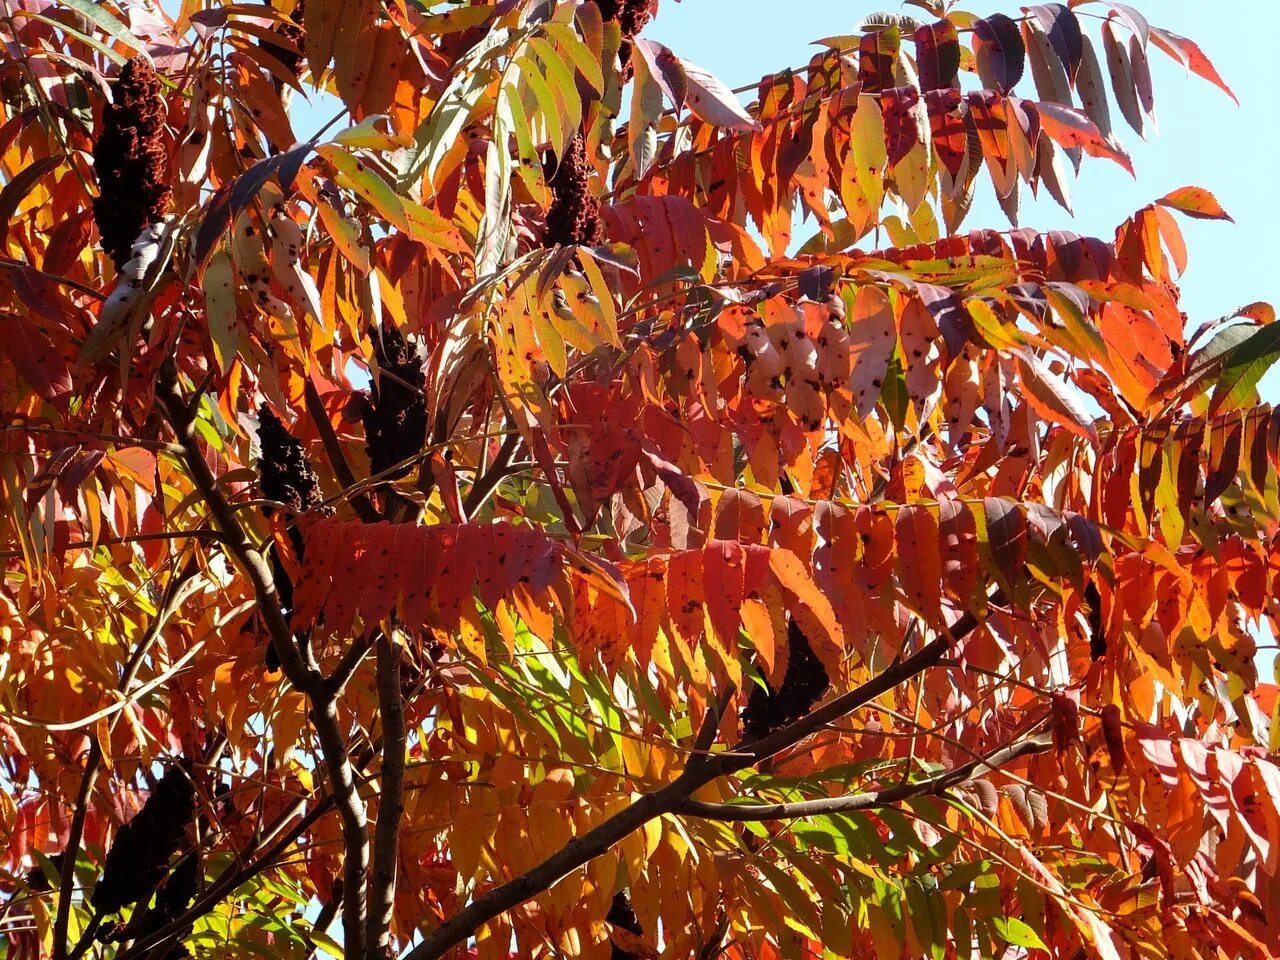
(284, 469)
(803, 685)
(574, 216)
(285, 474)
(130, 161)
(632, 15)
(172, 901)
(395, 417)
(139, 857)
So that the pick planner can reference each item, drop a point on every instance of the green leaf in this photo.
(113, 27)
(326, 943)
(1245, 367)
(439, 133)
(1013, 931)
(569, 43)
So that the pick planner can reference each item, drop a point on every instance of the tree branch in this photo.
(337, 459)
(303, 674)
(669, 799)
(927, 656)
(736, 812)
(487, 483)
(386, 842)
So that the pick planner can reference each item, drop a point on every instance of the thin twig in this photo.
(333, 451)
(738, 812)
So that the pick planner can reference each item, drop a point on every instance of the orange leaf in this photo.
(1195, 202)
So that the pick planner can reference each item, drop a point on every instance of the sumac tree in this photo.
(488, 528)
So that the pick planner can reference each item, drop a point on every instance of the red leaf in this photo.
(722, 570)
(1189, 54)
(1000, 50)
(920, 562)
(1072, 128)
(35, 357)
(937, 55)
(739, 516)
(958, 532)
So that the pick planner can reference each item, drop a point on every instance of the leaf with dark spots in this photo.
(1064, 32)
(905, 121)
(35, 357)
(937, 55)
(877, 56)
(1001, 52)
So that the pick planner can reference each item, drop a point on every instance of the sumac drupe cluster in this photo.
(293, 31)
(803, 685)
(130, 160)
(139, 856)
(395, 415)
(284, 470)
(621, 915)
(632, 15)
(574, 216)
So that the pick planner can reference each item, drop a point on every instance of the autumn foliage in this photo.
(569, 508)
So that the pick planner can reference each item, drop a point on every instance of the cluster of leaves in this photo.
(649, 580)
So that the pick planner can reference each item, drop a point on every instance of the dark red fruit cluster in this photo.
(632, 15)
(172, 901)
(130, 161)
(574, 217)
(395, 416)
(139, 857)
(621, 915)
(293, 31)
(803, 685)
(285, 475)
(284, 469)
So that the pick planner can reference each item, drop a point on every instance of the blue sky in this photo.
(1204, 139)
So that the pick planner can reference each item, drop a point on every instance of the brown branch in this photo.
(337, 459)
(736, 812)
(386, 841)
(670, 799)
(302, 673)
(927, 656)
(71, 851)
(196, 534)
(486, 484)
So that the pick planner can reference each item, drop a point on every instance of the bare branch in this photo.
(486, 484)
(735, 812)
(302, 674)
(386, 843)
(670, 799)
(337, 459)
